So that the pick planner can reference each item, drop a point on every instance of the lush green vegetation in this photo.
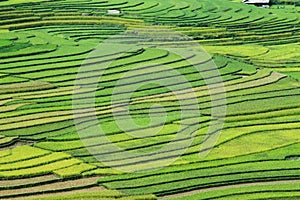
(43, 45)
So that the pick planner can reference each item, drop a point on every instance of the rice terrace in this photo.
(144, 100)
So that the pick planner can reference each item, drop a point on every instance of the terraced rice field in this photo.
(49, 149)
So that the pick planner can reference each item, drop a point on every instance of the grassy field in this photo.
(46, 154)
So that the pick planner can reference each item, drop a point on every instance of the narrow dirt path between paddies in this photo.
(79, 191)
(226, 187)
(83, 184)
(16, 143)
(22, 183)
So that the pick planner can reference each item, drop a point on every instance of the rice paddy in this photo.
(49, 146)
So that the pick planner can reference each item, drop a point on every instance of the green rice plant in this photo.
(34, 162)
(74, 170)
(163, 185)
(105, 195)
(39, 170)
(6, 141)
(40, 60)
(38, 49)
(22, 153)
(269, 190)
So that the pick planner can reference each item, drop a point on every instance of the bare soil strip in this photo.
(53, 194)
(26, 181)
(16, 143)
(57, 187)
